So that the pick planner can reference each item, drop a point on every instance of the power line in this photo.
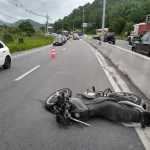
(8, 16)
(19, 5)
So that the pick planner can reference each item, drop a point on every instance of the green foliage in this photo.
(42, 29)
(120, 15)
(128, 26)
(7, 37)
(10, 35)
(117, 25)
(29, 43)
(26, 27)
(38, 32)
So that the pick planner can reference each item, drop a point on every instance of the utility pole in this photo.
(73, 25)
(83, 20)
(47, 23)
(62, 26)
(45, 27)
(103, 21)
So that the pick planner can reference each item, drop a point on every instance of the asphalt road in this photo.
(123, 44)
(24, 122)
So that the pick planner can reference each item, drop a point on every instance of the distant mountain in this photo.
(34, 23)
(3, 23)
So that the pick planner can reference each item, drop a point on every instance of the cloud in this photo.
(54, 8)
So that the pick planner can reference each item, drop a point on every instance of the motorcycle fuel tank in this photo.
(79, 109)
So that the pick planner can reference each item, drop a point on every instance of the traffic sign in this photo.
(84, 24)
(89, 24)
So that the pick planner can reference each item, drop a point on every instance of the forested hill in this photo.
(120, 15)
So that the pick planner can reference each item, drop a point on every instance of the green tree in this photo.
(7, 37)
(117, 25)
(42, 28)
(120, 15)
(26, 27)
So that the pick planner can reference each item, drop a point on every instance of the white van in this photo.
(5, 57)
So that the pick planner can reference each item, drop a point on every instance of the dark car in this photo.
(58, 41)
(96, 37)
(110, 37)
(142, 45)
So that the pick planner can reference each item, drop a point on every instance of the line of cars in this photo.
(142, 45)
(60, 40)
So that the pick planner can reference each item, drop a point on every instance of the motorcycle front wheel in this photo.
(52, 99)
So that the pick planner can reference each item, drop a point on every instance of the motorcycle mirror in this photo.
(93, 88)
(63, 96)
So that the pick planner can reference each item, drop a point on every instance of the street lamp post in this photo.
(103, 20)
(83, 20)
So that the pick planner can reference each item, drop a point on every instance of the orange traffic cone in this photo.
(53, 53)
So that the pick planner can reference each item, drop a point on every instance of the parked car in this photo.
(63, 38)
(70, 36)
(110, 37)
(54, 34)
(5, 57)
(58, 41)
(142, 45)
(96, 37)
(75, 36)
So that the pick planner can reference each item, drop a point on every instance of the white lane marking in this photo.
(29, 52)
(63, 49)
(22, 76)
(141, 132)
(129, 45)
(120, 47)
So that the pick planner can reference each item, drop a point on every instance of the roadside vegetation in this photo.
(32, 38)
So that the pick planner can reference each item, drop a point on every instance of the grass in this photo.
(121, 37)
(29, 43)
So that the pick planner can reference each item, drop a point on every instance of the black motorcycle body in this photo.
(118, 107)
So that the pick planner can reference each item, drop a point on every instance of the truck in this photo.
(138, 30)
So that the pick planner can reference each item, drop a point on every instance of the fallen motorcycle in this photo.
(115, 106)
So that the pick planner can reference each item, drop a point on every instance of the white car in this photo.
(5, 57)
(54, 34)
(75, 36)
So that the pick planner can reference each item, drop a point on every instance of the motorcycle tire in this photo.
(52, 99)
(124, 96)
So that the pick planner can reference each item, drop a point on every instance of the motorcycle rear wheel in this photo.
(124, 96)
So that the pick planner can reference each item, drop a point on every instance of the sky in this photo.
(54, 8)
